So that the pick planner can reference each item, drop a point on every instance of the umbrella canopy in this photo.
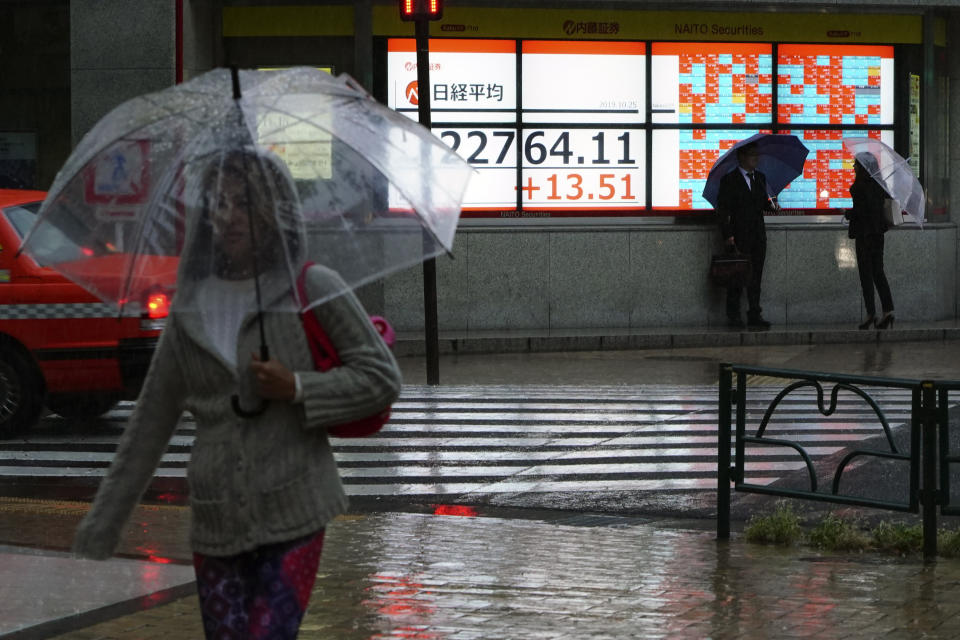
(892, 172)
(328, 174)
(781, 158)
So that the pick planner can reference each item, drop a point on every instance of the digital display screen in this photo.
(840, 84)
(701, 83)
(561, 127)
(828, 171)
(582, 169)
(575, 168)
(585, 82)
(682, 161)
(470, 80)
(493, 153)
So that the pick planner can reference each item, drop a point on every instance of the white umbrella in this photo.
(893, 173)
(371, 191)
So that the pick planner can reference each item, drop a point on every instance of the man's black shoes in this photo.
(753, 322)
(757, 322)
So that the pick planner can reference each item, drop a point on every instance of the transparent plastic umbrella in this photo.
(893, 173)
(349, 184)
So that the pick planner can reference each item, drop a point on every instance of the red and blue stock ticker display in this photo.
(701, 83)
(563, 127)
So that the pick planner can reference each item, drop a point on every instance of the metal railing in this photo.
(929, 443)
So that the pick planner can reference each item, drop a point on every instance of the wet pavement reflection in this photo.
(403, 575)
(550, 568)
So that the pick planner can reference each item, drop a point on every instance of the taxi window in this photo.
(22, 217)
(50, 241)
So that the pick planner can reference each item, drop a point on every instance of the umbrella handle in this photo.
(244, 413)
(235, 399)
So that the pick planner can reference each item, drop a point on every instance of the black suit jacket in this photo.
(740, 209)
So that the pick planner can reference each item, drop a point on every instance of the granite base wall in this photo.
(538, 279)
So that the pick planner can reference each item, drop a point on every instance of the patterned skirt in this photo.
(260, 594)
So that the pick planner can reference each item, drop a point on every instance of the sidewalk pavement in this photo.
(685, 357)
(411, 343)
(515, 574)
(429, 576)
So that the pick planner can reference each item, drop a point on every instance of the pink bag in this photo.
(325, 358)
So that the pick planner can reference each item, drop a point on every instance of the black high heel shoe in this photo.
(870, 322)
(886, 322)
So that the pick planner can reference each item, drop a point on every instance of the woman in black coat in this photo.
(867, 226)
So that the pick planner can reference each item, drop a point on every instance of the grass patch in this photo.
(898, 538)
(780, 527)
(948, 543)
(841, 534)
(835, 533)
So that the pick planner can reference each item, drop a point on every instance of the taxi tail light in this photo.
(157, 305)
(156, 308)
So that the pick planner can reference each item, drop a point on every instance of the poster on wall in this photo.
(914, 124)
(306, 149)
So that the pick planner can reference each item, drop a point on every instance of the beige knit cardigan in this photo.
(252, 481)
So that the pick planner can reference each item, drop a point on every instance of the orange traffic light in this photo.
(421, 10)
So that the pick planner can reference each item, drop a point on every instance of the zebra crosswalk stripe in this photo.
(490, 440)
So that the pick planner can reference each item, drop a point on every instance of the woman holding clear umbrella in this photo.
(867, 226)
(263, 486)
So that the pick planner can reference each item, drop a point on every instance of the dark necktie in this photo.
(753, 181)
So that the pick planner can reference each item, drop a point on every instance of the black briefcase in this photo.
(731, 269)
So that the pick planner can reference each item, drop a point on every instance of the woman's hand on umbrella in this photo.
(274, 380)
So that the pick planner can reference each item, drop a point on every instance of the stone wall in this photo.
(118, 50)
(555, 279)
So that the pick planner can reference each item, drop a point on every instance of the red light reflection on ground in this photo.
(454, 510)
(406, 603)
(159, 559)
(152, 556)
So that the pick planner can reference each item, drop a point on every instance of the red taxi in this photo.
(60, 346)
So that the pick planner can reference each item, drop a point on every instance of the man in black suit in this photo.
(741, 202)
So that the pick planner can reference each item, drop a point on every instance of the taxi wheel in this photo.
(81, 406)
(21, 393)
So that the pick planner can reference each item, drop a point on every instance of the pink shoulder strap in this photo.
(324, 353)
